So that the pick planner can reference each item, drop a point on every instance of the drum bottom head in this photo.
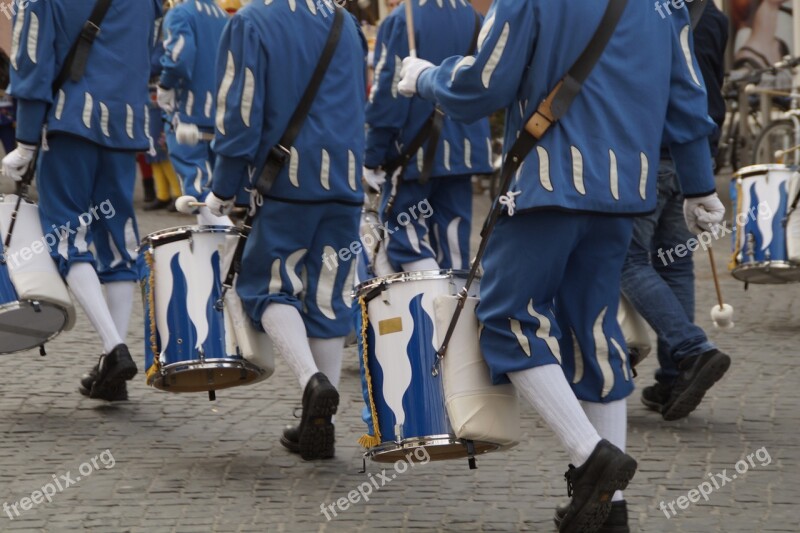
(768, 272)
(437, 448)
(25, 325)
(209, 375)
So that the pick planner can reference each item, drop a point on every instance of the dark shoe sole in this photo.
(113, 395)
(593, 514)
(317, 436)
(690, 398)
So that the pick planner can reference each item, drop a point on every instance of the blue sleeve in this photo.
(688, 126)
(387, 111)
(180, 49)
(473, 87)
(241, 99)
(33, 67)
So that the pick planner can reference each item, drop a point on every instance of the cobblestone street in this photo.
(184, 464)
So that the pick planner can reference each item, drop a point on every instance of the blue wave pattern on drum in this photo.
(767, 245)
(423, 401)
(180, 324)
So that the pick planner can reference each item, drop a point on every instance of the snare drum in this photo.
(760, 195)
(191, 344)
(409, 402)
(35, 305)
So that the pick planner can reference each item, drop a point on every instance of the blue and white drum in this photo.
(35, 305)
(191, 343)
(401, 340)
(761, 201)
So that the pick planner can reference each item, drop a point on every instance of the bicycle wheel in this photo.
(778, 135)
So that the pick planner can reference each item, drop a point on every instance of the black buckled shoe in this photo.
(119, 394)
(592, 485)
(656, 396)
(617, 521)
(315, 435)
(113, 370)
(698, 374)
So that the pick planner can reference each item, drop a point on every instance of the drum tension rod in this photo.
(473, 465)
(41, 351)
(363, 465)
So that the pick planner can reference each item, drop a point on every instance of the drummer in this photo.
(461, 150)
(186, 91)
(93, 134)
(312, 208)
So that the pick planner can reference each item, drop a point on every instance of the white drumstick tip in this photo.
(187, 134)
(187, 205)
(722, 316)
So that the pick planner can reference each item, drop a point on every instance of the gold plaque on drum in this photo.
(390, 325)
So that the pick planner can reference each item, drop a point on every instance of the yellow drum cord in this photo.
(156, 367)
(367, 440)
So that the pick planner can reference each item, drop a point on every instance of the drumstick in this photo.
(412, 42)
(186, 204)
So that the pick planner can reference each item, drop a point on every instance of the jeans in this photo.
(660, 289)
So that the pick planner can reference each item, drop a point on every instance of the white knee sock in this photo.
(119, 296)
(611, 421)
(85, 285)
(428, 263)
(546, 388)
(328, 354)
(285, 327)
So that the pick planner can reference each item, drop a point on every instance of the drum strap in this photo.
(280, 154)
(554, 106)
(78, 57)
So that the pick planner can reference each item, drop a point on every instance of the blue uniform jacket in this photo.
(192, 31)
(109, 105)
(267, 56)
(442, 30)
(603, 155)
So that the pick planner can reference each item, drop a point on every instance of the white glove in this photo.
(166, 99)
(16, 164)
(218, 206)
(409, 74)
(375, 178)
(703, 214)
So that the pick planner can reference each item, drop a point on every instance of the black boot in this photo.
(617, 521)
(149, 190)
(656, 396)
(592, 485)
(113, 370)
(157, 204)
(314, 438)
(697, 375)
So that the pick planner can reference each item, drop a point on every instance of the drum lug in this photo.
(471, 455)
(42, 352)
(398, 431)
(212, 395)
(36, 306)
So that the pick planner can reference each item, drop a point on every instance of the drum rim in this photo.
(783, 266)
(751, 169)
(401, 277)
(446, 439)
(208, 364)
(151, 240)
(17, 304)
